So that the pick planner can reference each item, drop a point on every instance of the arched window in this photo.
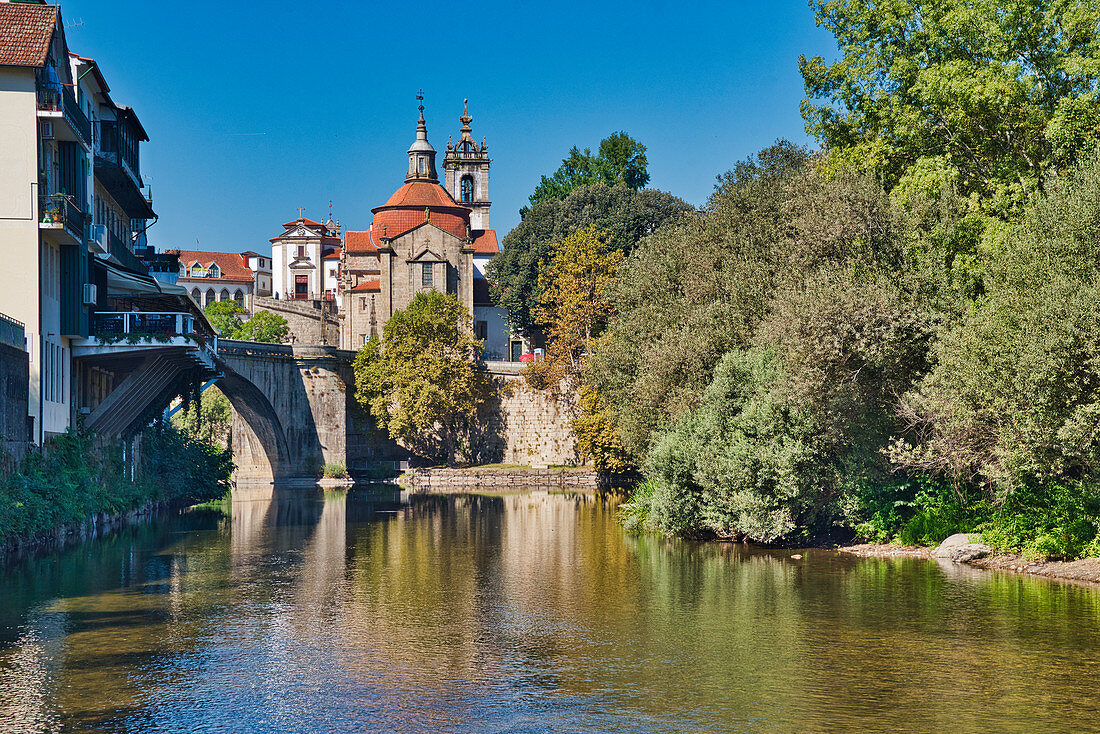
(183, 270)
(210, 297)
(196, 296)
(224, 295)
(215, 271)
(467, 187)
(239, 297)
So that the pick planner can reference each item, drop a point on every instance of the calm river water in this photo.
(522, 613)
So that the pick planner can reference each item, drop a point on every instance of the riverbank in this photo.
(81, 484)
(1085, 569)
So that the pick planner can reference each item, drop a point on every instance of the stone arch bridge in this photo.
(293, 410)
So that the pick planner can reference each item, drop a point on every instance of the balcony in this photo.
(117, 169)
(12, 332)
(118, 249)
(58, 105)
(61, 214)
(142, 324)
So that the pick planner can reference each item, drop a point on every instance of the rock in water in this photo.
(970, 552)
(948, 547)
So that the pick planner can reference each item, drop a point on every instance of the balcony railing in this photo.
(121, 323)
(118, 248)
(62, 208)
(12, 332)
(54, 97)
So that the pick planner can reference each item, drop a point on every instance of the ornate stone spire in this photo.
(465, 119)
(421, 154)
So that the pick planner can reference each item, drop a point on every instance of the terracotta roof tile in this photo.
(356, 241)
(422, 194)
(334, 255)
(368, 286)
(25, 33)
(485, 242)
(305, 220)
(232, 265)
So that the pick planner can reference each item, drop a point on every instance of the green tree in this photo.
(225, 316)
(621, 158)
(420, 382)
(208, 419)
(571, 307)
(697, 288)
(264, 326)
(629, 215)
(1014, 398)
(988, 93)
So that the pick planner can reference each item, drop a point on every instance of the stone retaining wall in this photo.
(500, 480)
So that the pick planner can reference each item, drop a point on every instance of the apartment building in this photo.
(71, 199)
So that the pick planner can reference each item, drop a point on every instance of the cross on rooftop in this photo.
(300, 210)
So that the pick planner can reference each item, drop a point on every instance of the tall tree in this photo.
(420, 383)
(627, 214)
(990, 93)
(572, 308)
(621, 159)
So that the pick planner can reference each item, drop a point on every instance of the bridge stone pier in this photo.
(294, 411)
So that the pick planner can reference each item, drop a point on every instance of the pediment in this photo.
(302, 265)
(427, 255)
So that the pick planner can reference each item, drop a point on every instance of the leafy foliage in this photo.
(207, 419)
(79, 477)
(264, 326)
(621, 159)
(997, 93)
(571, 308)
(225, 317)
(419, 381)
(596, 437)
(627, 214)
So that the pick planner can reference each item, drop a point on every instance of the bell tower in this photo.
(421, 154)
(466, 165)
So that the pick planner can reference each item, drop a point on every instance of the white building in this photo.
(299, 271)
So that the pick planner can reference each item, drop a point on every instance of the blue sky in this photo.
(254, 109)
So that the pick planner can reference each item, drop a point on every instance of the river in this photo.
(522, 613)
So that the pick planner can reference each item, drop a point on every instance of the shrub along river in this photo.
(522, 613)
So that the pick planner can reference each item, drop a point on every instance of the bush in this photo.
(78, 477)
(1050, 520)
(334, 470)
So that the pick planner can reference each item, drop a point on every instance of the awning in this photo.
(125, 283)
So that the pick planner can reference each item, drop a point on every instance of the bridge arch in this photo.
(265, 450)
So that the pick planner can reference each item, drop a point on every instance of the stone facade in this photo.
(308, 323)
(423, 239)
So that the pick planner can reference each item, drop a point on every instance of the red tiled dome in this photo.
(405, 210)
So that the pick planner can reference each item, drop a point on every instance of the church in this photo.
(427, 236)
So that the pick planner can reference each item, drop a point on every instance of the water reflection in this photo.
(527, 612)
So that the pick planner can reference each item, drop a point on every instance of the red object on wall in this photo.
(526, 358)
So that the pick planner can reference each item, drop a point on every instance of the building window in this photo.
(183, 270)
(426, 275)
(238, 296)
(363, 303)
(481, 329)
(467, 189)
(301, 252)
(215, 271)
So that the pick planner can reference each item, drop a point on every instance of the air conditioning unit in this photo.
(47, 129)
(97, 237)
(89, 294)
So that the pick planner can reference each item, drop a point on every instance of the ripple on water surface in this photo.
(521, 613)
